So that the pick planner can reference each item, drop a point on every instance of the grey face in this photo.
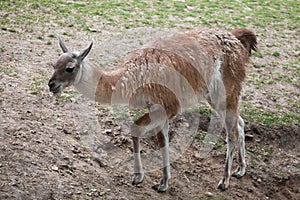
(66, 68)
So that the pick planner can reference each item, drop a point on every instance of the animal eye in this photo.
(70, 69)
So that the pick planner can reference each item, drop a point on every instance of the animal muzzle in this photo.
(54, 87)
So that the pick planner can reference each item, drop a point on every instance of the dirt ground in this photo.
(42, 155)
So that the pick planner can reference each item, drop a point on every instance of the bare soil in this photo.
(42, 155)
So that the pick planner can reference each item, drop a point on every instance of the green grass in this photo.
(9, 71)
(262, 16)
(203, 109)
(253, 164)
(139, 114)
(276, 54)
(220, 143)
(37, 83)
(257, 54)
(269, 117)
(268, 149)
(132, 13)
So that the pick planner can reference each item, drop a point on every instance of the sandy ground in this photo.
(43, 154)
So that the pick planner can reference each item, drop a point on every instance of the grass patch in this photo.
(40, 37)
(269, 117)
(9, 71)
(2, 48)
(66, 95)
(261, 15)
(36, 86)
(139, 114)
(37, 83)
(257, 54)
(276, 54)
(220, 143)
(253, 164)
(200, 137)
(52, 36)
(167, 13)
(268, 149)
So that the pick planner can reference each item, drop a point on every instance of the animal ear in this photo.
(62, 45)
(85, 52)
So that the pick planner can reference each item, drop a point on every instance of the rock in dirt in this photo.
(54, 168)
(209, 194)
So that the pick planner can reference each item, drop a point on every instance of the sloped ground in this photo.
(43, 156)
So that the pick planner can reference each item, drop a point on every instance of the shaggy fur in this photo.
(175, 72)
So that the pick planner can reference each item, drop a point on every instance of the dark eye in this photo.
(70, 69)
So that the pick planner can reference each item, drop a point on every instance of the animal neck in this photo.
(97, 84)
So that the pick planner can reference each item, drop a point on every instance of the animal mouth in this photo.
(56, 89)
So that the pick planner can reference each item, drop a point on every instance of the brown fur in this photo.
(247, 38)
(170, 72)
(232, 49)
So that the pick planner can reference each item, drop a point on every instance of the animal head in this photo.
(68, 68)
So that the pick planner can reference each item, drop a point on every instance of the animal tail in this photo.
(247, 38)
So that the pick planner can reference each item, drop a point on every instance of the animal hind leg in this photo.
(163, 143)
(241, 169)
(231, 130)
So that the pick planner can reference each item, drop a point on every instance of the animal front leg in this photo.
(163, 143)
(137, 130)
(138, 174)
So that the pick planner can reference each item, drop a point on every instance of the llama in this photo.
(165, 76)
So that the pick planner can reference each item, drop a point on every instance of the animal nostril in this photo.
(51, 84)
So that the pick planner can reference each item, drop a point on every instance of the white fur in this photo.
(87, 80)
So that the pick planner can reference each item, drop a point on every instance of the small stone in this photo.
(13, 182)
(54, 168)
(107, 131)
(249, 137)
(66, 131)
(101, 193)
(239, 195)
(209, 194)
(77, 137)
(76, 150)
(255, 184)
(92, 29)
(259, 180)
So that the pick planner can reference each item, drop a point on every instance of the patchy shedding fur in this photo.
(175, 72)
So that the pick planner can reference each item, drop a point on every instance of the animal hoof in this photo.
(137, 178)
(238, 173)
(160, 188)
(222, 186)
